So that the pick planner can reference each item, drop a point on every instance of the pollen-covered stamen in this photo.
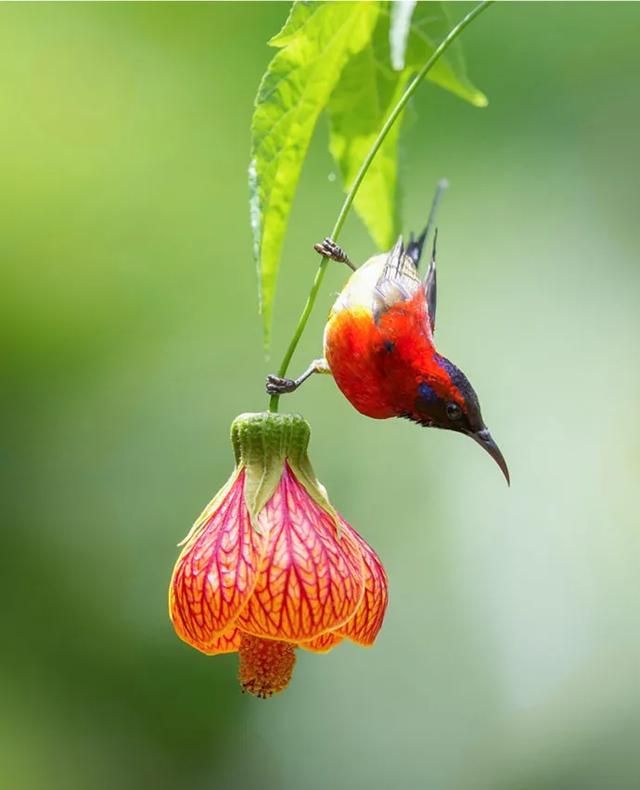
(266, 665)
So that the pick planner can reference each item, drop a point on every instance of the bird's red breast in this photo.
(378, 364)
(353, 350)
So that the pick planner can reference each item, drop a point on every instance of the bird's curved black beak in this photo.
(484, 439)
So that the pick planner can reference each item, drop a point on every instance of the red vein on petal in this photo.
(216, 572)
(366, 622)
(309, 582)
(322, 643)
(227, 642)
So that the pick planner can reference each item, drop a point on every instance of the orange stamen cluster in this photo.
(266, 665)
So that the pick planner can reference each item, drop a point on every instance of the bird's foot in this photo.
(329, 249)
(279, 386)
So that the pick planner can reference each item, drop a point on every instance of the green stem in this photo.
(348, 201)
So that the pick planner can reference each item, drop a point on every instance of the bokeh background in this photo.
(510, 653)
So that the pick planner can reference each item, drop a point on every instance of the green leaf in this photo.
(297, 19)
(315, 43)
(368, 90)
(359, 105)
(429, 25)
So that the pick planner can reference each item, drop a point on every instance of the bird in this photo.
(379, 344)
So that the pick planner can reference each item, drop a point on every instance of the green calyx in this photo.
(262, 442)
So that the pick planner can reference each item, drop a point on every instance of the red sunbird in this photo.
(378, 345)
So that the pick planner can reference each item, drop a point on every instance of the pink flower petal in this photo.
(216, 571)
(365, 624)
(310, 582)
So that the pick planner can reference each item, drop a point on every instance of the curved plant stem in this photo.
(348, 201)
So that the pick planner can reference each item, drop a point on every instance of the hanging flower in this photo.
(270, 565)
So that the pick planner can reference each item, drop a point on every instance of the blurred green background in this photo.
(509, 657)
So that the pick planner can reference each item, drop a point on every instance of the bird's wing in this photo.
(398, 281)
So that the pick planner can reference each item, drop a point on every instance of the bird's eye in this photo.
(454, 412)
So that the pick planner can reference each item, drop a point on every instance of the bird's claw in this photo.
(329, 249)
(279, 386)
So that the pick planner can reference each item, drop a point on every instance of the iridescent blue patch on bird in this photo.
(426, 393)
(444, 363)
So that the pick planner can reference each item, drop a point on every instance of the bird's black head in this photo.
(445, 399)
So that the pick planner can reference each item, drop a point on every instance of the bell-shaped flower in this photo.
(270, 565)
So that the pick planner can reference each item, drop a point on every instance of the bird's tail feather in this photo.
(415, 246)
